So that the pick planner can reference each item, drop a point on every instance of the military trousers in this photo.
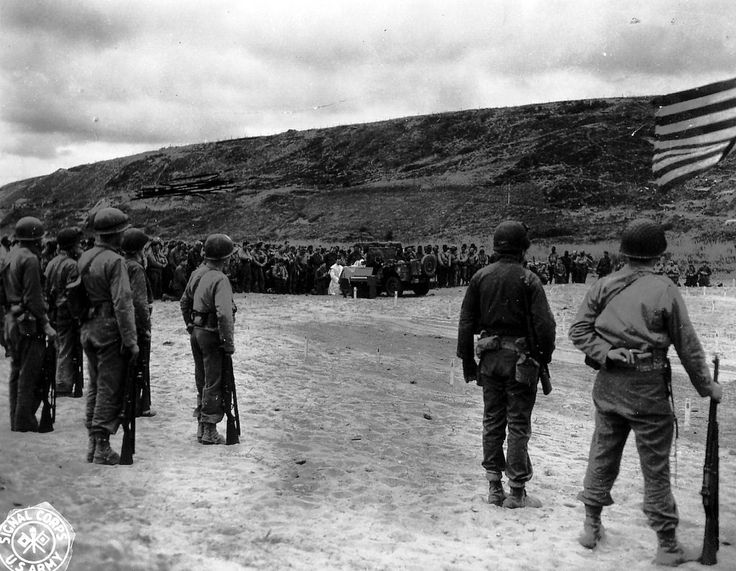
(68, 370)
(208, 355)
(26, 370)
(107, 370)
(627, 400)
(507, 406)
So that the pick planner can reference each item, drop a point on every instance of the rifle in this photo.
(130, 396)
(48, 388)
(710, 482)
(544, 376)
(230, 399)
(78, 360)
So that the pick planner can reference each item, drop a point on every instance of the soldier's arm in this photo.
(224, 308)
(32, 295)
(122, 302)
(582, 332)
(140, 299)
(543, 321)
(468, 322)
(687, 345)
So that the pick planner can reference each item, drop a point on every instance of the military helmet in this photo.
(510, 237)
(134, 239)
(29, 228)
(643, 239)
(110, 221)
(68, 237)
(218, 247)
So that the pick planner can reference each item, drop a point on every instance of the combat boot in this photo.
(520, 499)
(670, 553)
(210, 434)
(200, 431)
(592, 527)
(103, 453)
(91, 446)
(496, 493)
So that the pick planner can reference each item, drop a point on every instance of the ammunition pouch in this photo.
(489, 342)
(527, 370)
(27, 324)
(204, 320)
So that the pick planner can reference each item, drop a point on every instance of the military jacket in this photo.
(22, 278)
(209, 292)
(139, 290)
(648, 314)
(60, 271)
(106, 281)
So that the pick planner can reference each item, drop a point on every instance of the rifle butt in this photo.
(231, 436)
(126, 452)
(46, 424)
(545, 380)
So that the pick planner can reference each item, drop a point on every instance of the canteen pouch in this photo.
(27, 324)
(490, 343)
(527, 370)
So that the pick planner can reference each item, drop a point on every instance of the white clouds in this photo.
(173, 72)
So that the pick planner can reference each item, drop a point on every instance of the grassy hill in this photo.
(572, 170)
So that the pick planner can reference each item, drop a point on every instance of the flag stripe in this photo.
(679, 175)
(726, 108)
(702, 130)
(708, 139)
(685, 106)
(661, 168)
(688, 94)
(662, 161)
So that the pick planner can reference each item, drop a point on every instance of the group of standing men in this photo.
(624, 326)
(110, 322)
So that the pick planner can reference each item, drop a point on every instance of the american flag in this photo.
(693, 130)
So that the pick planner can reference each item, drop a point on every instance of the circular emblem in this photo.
(36, 538)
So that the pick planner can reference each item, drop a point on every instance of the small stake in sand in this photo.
(452, 372)
(355, 292)
(687, 414)
(396, 298)
(449, 308)
(306, 348)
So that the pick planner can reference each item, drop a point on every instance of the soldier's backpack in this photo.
(77, 299)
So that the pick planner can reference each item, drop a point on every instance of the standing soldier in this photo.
(605, 266)
(624, 326)
(501, 301)
(134, 240)
(61, 271)
(25, 324)
(108, 335)
(208, 310)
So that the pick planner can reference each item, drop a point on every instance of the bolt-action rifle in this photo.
(48, 388)
(230, 399)
(130, 397)
(78, 360)
(710, 482)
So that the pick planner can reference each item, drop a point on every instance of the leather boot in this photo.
(103, 453)
(210, 434)
(91, 446)
(592, 527)
(496, 493)
(520, 499)
(200, 431)
(669, 552)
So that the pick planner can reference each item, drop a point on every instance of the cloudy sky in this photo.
(86, 80)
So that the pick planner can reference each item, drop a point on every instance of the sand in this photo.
(358, 451)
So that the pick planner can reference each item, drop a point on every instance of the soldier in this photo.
(624, 326)
(704, 273)
(109, 335)
(552, 263)
(208, 310)
(672, 271)
(605, 266)
(155, 263)
(25, 323)
(61, 271)
(497, 305)
(134, 240)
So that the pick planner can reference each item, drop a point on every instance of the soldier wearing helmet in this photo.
(208, 310)
(109, 335)
(26, 323)
(134, 240)
(625, 325)
(500, 301)
(61, 271)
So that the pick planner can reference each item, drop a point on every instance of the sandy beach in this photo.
(360, 449)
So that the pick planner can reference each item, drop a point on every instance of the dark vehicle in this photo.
(386, 270)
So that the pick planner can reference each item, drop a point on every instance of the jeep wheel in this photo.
(429, 265)
(421, 289)
(393, 286)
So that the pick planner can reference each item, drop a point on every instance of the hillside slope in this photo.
(572, 170)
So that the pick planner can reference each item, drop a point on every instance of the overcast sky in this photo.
(86, 80)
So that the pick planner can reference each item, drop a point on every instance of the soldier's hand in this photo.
(131, 352)
(229, 350)
(717, 392)
(470, 370)
(621, 355)
(49, 331)
(190, 328)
